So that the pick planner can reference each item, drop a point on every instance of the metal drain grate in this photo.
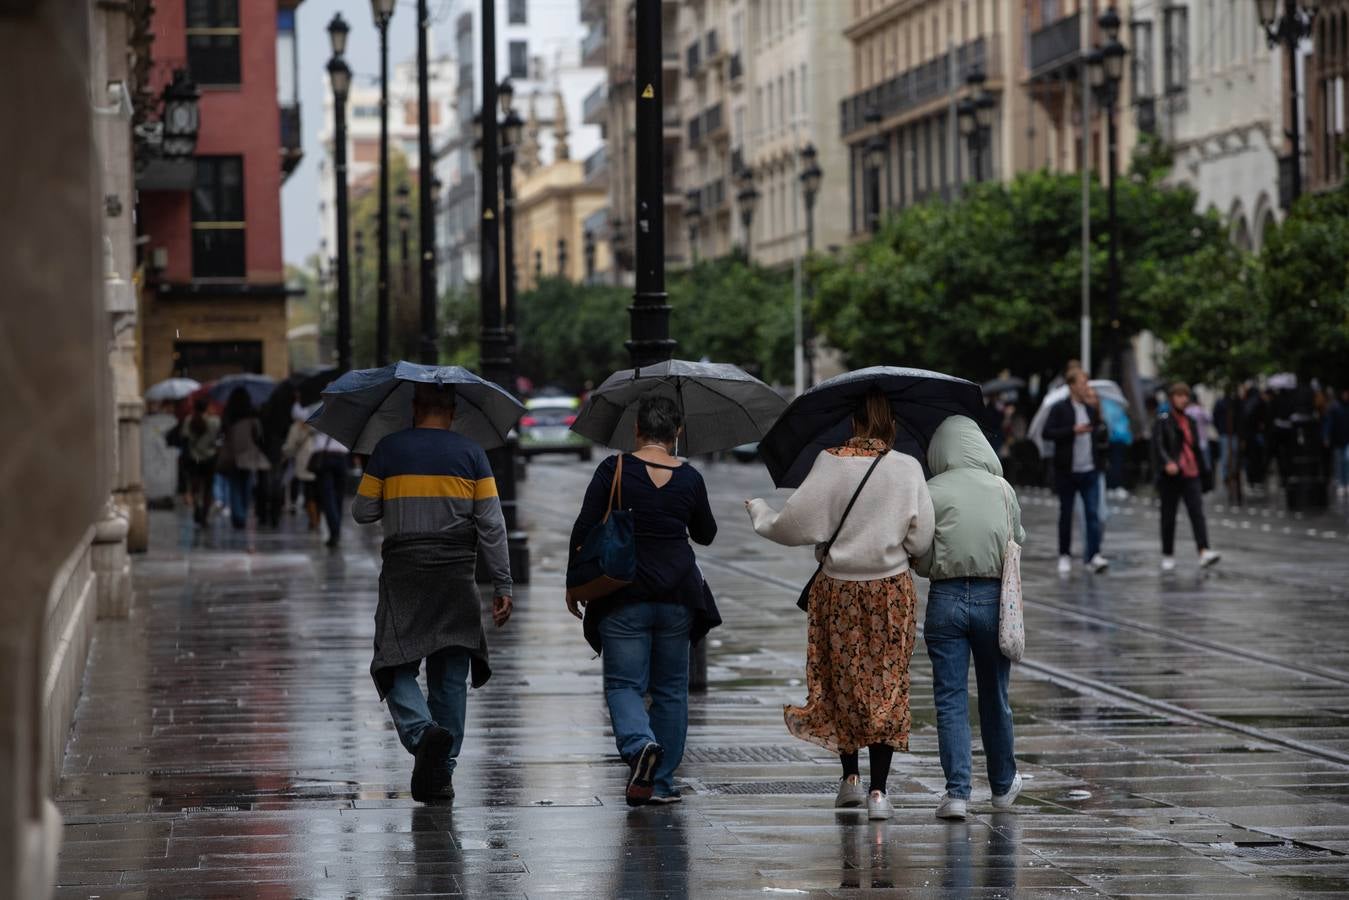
(1273, 850)
(744, 755)
(771, 787)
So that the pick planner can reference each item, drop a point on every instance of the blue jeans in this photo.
(1088, 484)
(962, 619)
(447, 683)
(1342, 464)
(646, 651)
(241, 495)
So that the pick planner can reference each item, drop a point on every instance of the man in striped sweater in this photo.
(434, 491)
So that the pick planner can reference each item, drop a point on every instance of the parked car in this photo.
(546, 428)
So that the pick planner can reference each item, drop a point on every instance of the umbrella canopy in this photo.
(822, 417)
(1105, 388)
(1003, 385)
(311, 381)
(363, 406)
(723, 405)
(259, 387)
(172, 389)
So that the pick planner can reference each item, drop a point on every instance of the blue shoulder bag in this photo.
(607, 561)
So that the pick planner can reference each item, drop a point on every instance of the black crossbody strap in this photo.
(849, 507)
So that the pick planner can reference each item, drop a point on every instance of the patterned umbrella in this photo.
(822, 417)
(361, 407)
(723, 405)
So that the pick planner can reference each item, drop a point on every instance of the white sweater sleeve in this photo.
(805, 519)
(922, 524)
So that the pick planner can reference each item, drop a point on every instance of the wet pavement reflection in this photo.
(1180, 736)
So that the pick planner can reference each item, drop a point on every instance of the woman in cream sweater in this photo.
(862, 621)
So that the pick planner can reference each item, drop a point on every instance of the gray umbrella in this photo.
(723, 405)
(362, 406)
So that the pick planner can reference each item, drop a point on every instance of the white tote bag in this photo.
(1011, 617)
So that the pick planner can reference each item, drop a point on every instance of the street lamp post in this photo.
(430, 346)
(383, 12)
(358, 249)
(1288, 28)
(511, 127)
(875, 159)
(749, 199)
(810, 176)
(404, 227)
(616, 238)
(693, 215)
(588, 247)
(975, 113)
(1107, 70)
(340, 76)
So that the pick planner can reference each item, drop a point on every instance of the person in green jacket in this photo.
(975, 510)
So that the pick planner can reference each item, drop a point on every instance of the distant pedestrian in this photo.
(1080, 438)
(643, 631)
(434, 491)
(276, 417)
(1337, 438)
(200, 437)
(1182, 471)
(975, 511)
(298, 450)
(862, 607)
(241, 458)
(1255, 435)
(328, 463)
(1229, 419)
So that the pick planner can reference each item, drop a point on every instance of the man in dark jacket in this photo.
(1081, 439)
(1181, 469)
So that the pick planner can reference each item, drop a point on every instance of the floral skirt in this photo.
(860, 639)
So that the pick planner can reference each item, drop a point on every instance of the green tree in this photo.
(1222, 338)
(728, 310)
(1304, 279)
(404, 306)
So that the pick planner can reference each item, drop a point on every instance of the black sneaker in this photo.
(643, 774)
(429, 759)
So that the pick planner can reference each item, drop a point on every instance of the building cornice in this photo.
(882, 17)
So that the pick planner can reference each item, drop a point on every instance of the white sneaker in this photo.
(1209, 558)
(953, 808)
(1006, 800)
(878, 807)
(1098, 563)
(1065, 565)
(1168, 564)
(850, 794)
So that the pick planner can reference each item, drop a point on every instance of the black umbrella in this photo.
(723, 405)
(822, 417)
(311, 381)
(363, 406)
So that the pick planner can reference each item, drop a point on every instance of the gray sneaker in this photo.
(1006, 800)
(850, 795)
(956, 808)
(878, 807)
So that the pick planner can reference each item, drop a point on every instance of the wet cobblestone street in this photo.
(1181, 735)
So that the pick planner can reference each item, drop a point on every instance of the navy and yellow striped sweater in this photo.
(426, 480)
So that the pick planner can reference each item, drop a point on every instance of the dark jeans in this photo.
(962, 621)
(241, 495)
(445, 703)
(1173, 489)
(271, 495)
(200, 479)
(1114, 476)
(1068, 486)
(330, 479)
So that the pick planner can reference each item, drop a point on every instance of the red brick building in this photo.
(213, 294)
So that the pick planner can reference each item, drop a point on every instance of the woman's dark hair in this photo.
(239, 406)
(659, 419)
(873, 419)
(198, 423)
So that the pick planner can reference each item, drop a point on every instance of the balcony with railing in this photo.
(593, 45)
(736, 67)
(693, 59)
(711, 45)
(672, 123)
(919, 86)
(712, 197)
(695, 131)
(1055, 46)
(595, 107)
(595, 169)
(714, 123)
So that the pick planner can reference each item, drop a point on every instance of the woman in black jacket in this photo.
(644, 630)
(1182, 470)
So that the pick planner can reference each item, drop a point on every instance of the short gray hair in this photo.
(659, 418)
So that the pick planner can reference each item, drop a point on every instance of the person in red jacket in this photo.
(1182, 470)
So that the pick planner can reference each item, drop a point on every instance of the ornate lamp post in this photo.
(1106, 65)
(426, 214)
(404, 229)
(693, 216)
(616, 238)
(588, 247)
(383, 12)
(182, 116)
(875, 161)
(1287, 22)
(975, 112)
(749, 199)
(511, 128)
(358, 248)
(340, 76)
(810, 177)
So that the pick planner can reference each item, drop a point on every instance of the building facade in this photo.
(214, 293)
(1327, 107)
(552, 206)
(539, 48)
